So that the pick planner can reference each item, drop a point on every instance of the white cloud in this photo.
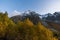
(50, 6)
(15, 12)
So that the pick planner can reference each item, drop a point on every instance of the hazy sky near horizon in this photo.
(14, 7)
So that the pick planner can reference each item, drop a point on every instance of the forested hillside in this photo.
(23, 30)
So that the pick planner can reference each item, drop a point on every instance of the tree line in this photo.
(23, 30)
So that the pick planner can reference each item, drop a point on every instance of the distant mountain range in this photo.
(33, 16)
(50, 21)
(47, 19)
(55, 17)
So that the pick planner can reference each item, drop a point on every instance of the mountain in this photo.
(55, 17)
(16, 18)
(50, 21)
(33, 16)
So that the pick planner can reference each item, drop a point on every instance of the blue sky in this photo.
(40, 6)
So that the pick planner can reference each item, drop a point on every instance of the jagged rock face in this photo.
(16, 18)
(52, 20)
(33, 16)
(55, 17)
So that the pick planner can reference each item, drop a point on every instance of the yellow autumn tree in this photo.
(2, 29)
(23, 30)
(44, 33)
(28, 22)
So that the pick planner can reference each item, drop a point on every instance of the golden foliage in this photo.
(23, 30)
